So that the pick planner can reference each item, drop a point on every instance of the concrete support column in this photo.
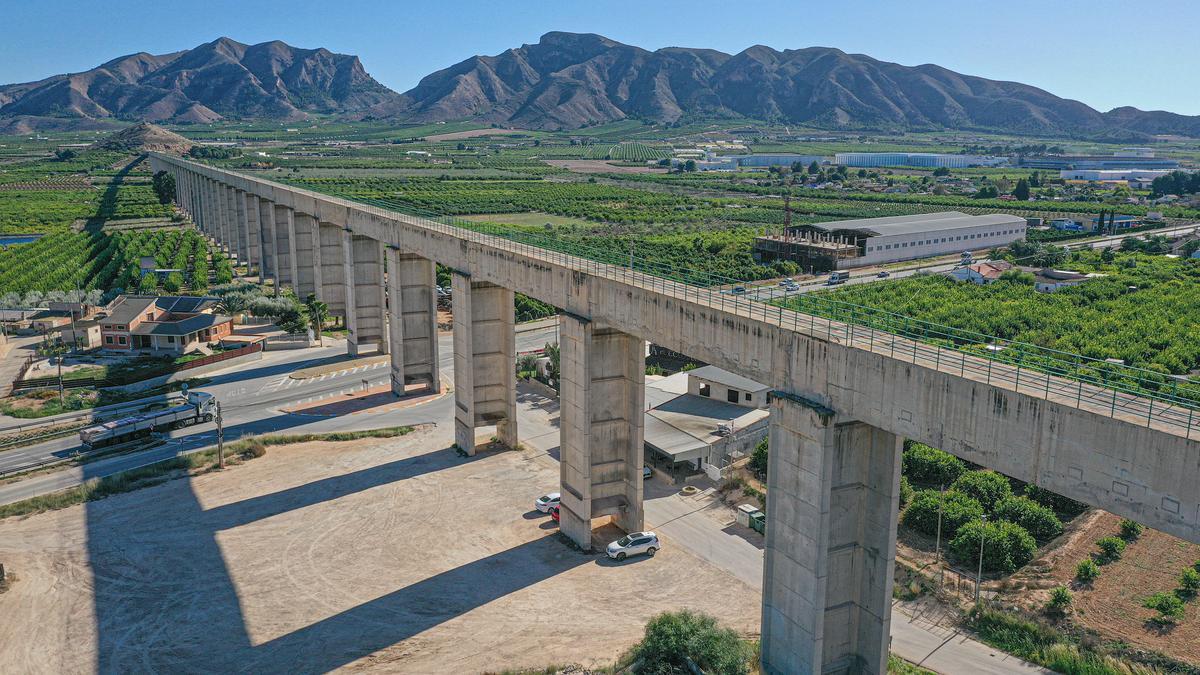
(602, 398)
(225, 220)
(266, 228)
(332, 287)
(254, 245)
(241, 227)
(832, 501)
(412, 320)
(308, 256)
(485, 356)
(285, 247)
(362, 265)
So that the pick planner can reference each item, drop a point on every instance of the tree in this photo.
(1035, 180)
(926, 465)
(318, 313)
(173, 282)
(292, 319)
(1006, 547)
(1021, 191)
(759, 458)
(987, 192)
(957, 510)
(689, 165)
(941, 171)
(673, 639)
(1035, 518)
(149, 284)
(552, 369)
(65, 154)
(985, 487)
(814, 168)
(164, 187)
(1111, 548)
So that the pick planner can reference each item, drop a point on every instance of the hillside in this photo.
(216, 80)
(144, 137)
(569, 80)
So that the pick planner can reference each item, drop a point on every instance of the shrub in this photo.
(1006, 546)
(758, 459)
(673, 637)
(957, 510)
(929, 466)
(1168, 606)
(1086, 571)
(1060, 599)
(1035, 518)
(1052, 500)
(986, 487)
(1111, 548)
(1131, 529)
(906, 491)
(1189, 582)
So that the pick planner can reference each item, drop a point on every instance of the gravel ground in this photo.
(391, 555)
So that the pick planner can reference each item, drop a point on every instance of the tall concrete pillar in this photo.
(266, 240)
(254, 247)
(602, 399)
(220, 195)
(362, 265)
(308, 256)
(412, 319)
(285, 247)
(332, 287)
(485, 356)
(241, 227)
(832, 501)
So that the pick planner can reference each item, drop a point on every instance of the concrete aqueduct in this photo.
(844, 396)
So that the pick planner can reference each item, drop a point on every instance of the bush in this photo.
(1035, 518)
(1168, 606)
(1052, 500)
(758, 460)
(1060, 599)
(906, 491)
(1131, 529)
(1086, 571)
(1111, 548)
(1006, 546)
(929, 466)
(1189, 582)
(985, 487)
(957, 510)
(673, 637)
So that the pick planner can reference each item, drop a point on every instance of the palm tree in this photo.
(318, 312)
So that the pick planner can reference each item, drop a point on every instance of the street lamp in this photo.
(979, 571)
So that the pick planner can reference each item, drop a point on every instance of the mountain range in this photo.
(568, 81)
(219, 79)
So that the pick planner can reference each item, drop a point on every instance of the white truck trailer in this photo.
(197, 407)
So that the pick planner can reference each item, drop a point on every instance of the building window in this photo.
(149, 316)
(122, 340)
(733, 396)
(108, 339)
(749, 397)
(170, 339)
(705, 390)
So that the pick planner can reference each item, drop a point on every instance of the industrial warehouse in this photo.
(843, 244)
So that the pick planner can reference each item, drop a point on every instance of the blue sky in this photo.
(1101, 52)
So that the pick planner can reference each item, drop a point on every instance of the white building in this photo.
(1139, 175)
(915, 159)
(896, 238)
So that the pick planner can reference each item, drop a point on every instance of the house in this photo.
(167, 324)
(49, 320)
(982, 273)
(1050, 280)
(84, 335)
(722, 385)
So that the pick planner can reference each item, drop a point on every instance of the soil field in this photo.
(385, 555)
(600, 166)
(535, 218)
(473, 133)
(1112, 605)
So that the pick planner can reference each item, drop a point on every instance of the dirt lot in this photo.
(1112, 605)
(474, 133)
(395, 555)
(600, 166)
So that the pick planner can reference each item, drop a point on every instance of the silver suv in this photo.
(634, 543)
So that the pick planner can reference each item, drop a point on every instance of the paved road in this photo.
(252, 397)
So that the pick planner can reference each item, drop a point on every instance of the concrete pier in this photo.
(485, 354)
(362, 266)
(285, 247)
(267, 244)
(241, 225)
(254, 246)
(602, 395)
(833, 492)
(308, 256)
(331, 268)
(412, 316)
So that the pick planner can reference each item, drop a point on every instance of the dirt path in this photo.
(392, 555)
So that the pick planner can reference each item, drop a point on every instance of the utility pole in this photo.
(937, 552)
(220, 439)
(979, 571)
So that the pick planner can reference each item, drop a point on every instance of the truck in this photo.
(195, 408)
(838, 277)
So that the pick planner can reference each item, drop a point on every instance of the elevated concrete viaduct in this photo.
(845, 396)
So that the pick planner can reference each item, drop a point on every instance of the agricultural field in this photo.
(67, 261)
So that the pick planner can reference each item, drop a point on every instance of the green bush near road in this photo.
(957, 510)
(1006, 547)
(674, 638)
(1038, 520)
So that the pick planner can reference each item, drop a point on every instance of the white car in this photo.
(546, 502)
(634, 543)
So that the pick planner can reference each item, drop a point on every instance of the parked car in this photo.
(792, 287)
(739, 290)
(646, 472)
(634, 543)
(554, 513)
(545, 502)
(788, 282)
(883, 274)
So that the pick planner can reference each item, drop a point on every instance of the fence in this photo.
(1114, 390)
(223, 356)
(47, 382)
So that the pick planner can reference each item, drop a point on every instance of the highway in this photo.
(251, 399)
